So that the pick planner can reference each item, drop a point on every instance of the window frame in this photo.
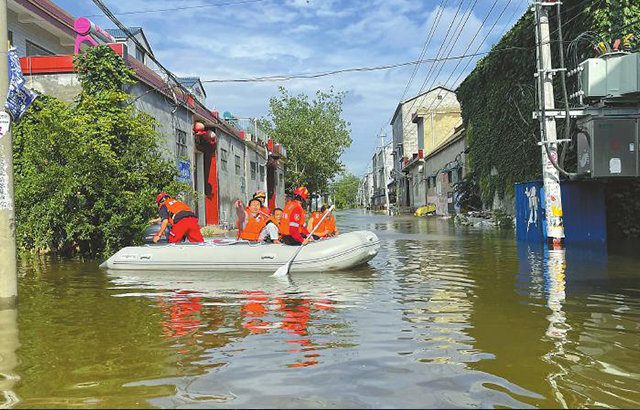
(31, 44)
(238, 167)
(223, 159)
(182, 145)
(254, 170)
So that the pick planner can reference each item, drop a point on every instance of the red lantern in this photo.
(198, 127)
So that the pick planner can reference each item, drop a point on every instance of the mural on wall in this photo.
(533, 205)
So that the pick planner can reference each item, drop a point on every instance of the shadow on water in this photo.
(445, 316)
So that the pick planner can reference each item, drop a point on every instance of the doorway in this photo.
(200, 176)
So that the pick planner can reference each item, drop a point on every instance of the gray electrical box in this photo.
(610, 149)
(612, 76)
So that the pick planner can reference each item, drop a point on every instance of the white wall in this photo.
(32, 32)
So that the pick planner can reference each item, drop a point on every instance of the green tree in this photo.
(86, 173)
(345, 191)
(314, 134)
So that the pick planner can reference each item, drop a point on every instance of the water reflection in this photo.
(301, 310)
(9, 344)
(445, 316)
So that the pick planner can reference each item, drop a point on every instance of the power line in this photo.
(427, 41)
(200, 6)
(404, 128)
(275, 78)
(469, 62)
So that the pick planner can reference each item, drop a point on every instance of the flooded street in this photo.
(444, 316)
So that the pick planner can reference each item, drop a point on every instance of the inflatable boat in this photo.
(342, 252)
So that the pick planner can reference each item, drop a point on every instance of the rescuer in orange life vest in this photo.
(292, 226)
(183, 221)
(327, 228)
(254, 225)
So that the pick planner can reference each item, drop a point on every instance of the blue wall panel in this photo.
(583, 207)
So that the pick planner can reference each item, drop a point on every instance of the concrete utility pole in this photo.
(551, 176)
(384, 172)
(8, 263)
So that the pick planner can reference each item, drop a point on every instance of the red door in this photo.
(211, 199)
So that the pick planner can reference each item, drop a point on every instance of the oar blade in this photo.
(283, 270)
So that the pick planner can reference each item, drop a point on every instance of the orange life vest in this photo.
(255, 224)
(330, 224)
(317, 216)
(174, 207)
(286, 222)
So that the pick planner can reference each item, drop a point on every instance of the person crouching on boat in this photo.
(292, 226)
(183, 221)
(261, 196)
(327, 227)
(254, 225)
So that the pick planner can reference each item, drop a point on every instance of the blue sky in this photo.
(273, 37)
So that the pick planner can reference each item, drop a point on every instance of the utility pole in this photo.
(8, 263)
(550, 175)
(384, 172)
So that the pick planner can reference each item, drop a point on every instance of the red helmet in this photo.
(302, 192)
(161, 196)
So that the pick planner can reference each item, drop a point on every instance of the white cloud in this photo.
(300, 36)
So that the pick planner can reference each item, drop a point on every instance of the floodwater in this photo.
(444, 316)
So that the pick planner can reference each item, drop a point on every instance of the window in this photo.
(181, 143)
(36, 50)
(261, 173)
(223, 159)
(139, 54)
(238, 168)
(254, 167)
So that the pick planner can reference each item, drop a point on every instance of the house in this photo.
(366, 189)
(381, 162)
(200, 143)
(411, 133)
(444, 167)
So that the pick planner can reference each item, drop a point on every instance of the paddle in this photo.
(284, 269)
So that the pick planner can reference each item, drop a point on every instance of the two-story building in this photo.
(408, 141)
(382, 164)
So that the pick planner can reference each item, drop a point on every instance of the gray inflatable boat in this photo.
(342, 252)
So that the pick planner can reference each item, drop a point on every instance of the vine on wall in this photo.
(498, 97)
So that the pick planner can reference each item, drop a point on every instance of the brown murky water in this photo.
(443, 317)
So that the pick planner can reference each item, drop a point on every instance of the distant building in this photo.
(412, 134)
(381, 161)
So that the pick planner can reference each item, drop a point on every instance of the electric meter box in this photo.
(609, 148)
(614, 76)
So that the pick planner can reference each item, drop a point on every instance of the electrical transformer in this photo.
(612, 76)
(608, 147)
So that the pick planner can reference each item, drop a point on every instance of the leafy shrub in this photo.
(86, 173)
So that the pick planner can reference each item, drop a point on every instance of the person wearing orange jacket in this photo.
(292, 226)
(183, 221)
(254, 225)
(327, 228)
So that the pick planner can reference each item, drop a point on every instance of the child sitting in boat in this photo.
(254, 225)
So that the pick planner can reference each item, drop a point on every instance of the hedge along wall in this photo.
(498, 96)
